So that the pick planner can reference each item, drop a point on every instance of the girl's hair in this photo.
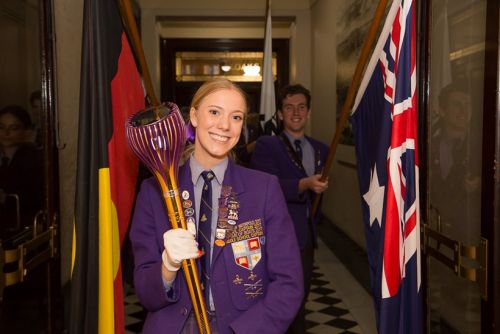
(206, 89)
(214, 85)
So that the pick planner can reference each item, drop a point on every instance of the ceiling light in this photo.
(251, 70)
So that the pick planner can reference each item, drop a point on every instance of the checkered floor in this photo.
(134, 314)
(325, 311)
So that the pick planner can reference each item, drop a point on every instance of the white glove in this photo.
(179, 245)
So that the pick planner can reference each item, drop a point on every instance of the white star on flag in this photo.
(374, 197)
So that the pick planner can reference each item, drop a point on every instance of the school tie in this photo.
(298, 148)
(205, 231)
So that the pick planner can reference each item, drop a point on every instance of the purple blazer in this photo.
(273, 155)
(256, 277)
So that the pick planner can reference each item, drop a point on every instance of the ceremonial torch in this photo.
(157, 136)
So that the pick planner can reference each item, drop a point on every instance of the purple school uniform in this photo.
(274, 156)
(256, 277)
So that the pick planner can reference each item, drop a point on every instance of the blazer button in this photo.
(184, 311)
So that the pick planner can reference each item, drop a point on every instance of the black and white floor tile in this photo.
(134, 314)
(327, 310)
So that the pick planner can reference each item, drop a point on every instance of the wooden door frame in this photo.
(490, 195)
(50, 140)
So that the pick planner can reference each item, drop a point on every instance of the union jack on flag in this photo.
(385, 127)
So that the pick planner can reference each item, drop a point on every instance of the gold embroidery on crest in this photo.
(245, 231)
(237, 280)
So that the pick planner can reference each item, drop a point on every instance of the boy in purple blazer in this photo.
(251, 266)
(297, 161)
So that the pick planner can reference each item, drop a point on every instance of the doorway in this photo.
(29, 261)
(213, 54)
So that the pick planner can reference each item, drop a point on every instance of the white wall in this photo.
(341, 203)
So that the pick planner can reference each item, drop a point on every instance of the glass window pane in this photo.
(455, 135)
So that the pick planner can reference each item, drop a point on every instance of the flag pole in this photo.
(351, 94)
(133, 33)
(267, 107)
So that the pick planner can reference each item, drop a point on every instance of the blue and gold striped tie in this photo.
(205, 231)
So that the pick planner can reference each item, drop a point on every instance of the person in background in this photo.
(21, 172)
(251, 270)
(297, 160)
(456, 161)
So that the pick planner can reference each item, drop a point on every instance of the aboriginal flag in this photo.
(110, 91)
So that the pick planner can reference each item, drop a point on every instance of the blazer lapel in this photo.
(186, 191)
(232, 187)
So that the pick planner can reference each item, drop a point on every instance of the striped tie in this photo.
(205, 231)
(298, 148)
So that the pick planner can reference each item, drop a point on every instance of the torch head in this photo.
(157, 136)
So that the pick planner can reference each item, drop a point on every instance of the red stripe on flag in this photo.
(410, 224)
(404, 127)
(392, 231)
(127, 98)
(396, 38)
(391, 241)
(413, 75)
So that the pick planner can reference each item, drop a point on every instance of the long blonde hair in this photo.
(206, 89)
(211, 86)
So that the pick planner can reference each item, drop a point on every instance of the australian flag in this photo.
(384, 121)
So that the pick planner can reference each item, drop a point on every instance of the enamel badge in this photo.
(247, 253)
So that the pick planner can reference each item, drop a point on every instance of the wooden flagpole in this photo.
(133, 33)
(351, 94)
